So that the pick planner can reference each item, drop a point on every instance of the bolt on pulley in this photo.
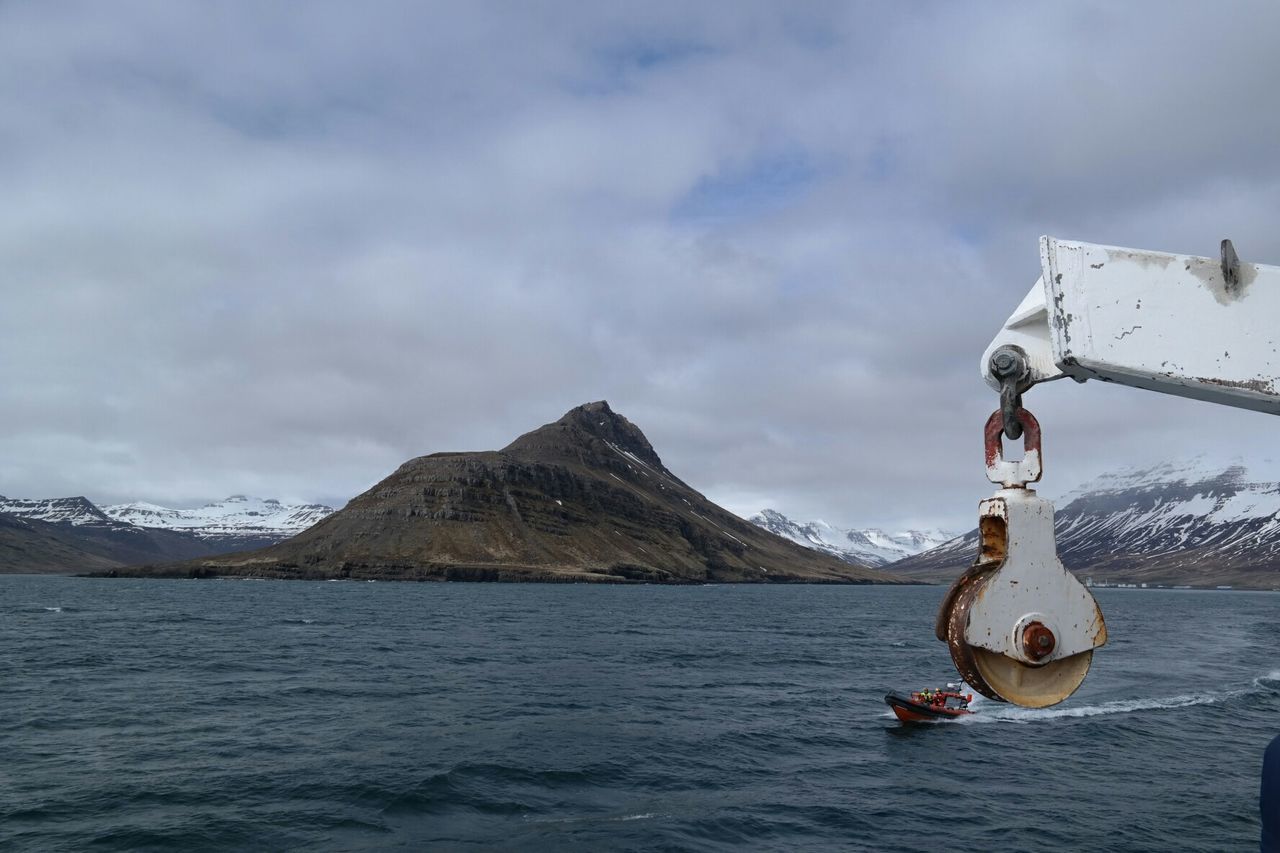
(1019, 626)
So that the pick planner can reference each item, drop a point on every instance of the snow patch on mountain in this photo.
(870, 546)
(77, 511)
(1183, 519)
(237, 515)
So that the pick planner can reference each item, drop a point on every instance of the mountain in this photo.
(81, 528)
(35, 547)
(74, 535)
(585, 498)
(75, 512)
(1197, 522)
(238, 523)
(869, 547)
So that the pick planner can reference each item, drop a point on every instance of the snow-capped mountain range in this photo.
(77, 512)
(66, 533)
(1199, 522)
(868, 546)
(236, 516)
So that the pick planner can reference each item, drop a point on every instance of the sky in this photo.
(279, 248)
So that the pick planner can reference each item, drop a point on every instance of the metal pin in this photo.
(1230, 266)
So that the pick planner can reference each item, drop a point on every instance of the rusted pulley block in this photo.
(1019, 626)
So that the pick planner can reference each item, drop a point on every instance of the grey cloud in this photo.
(251, 250)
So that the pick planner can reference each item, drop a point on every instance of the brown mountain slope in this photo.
(583, 499)
(35, 547)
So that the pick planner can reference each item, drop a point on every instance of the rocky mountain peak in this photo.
(592, 428)
(78, 510)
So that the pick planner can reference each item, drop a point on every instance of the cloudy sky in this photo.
(279, 248)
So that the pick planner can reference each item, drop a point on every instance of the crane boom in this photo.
(1019, 626)
(1191, 326)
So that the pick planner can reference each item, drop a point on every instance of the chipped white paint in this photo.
(1153, 320)
(1015, 473)
(1031, 584)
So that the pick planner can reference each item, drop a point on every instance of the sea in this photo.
(352, 716)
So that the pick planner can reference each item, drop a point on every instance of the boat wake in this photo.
(986, 711)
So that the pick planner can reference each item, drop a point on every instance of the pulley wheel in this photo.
(953, 617)
(994, 675)
(1032, 686)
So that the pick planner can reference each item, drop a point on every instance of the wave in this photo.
(1270, 681)
(595, 818)
(1013, 714)
(987, 711)
(499, 789)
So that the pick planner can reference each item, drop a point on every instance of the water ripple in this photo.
(206, 716)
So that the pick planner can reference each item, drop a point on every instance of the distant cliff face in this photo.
(585, 498)
(1196, 523)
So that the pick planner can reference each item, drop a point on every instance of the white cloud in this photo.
(248, 250)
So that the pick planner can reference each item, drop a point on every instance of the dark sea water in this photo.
(213, 715)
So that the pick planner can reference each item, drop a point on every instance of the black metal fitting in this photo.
(1009, 365)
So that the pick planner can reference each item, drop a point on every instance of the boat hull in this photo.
(910, 711)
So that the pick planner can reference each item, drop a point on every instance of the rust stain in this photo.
(993, 534)
(951, 601)
(1100, 631)
(1038, 641)
(1261, 386)
(1209, 272)
(993, 437)
(952, 621)
(1142, 259)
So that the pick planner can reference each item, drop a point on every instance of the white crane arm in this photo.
(1019, 626)
(1196, 327)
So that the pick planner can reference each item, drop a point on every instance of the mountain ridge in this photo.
(585, 498)
(1197, 522)
(237, 523)
(869, 546)
(72, 534)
